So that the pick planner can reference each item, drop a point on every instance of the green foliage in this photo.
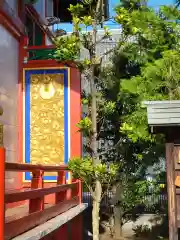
(67, 48)
(76, 9)
(83, 168)
(109, 107)
(119, 90)
(150, 62)
(127, 127)
(159, 80)
(87, 20)
(133, 194)
(85, 126)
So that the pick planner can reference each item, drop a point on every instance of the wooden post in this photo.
(61, 179)
(77, 191)
(25, 50)
(173, 230)
(2, 191)
(36, 204)
(80, 191)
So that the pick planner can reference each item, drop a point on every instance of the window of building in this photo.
(34, 32)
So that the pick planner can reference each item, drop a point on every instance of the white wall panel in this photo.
(49, 8)
(9, 97)
(13, 4)
(40, 7)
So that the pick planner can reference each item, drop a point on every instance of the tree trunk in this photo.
(95, 211)
(94, 143)
(117, 222)
(117, 211)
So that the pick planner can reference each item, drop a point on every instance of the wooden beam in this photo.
(22, 225)
(173, 230)
(21, 195)
(2, 187)
(178, 191)
(31, 167)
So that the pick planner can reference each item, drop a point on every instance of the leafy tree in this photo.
(154, 51)
(133, 157)
(97, 175)
(115, 116)
(145, 67)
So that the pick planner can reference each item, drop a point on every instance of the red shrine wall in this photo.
(11, 99)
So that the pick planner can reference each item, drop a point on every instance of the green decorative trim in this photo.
(42, 54)
(29, 1)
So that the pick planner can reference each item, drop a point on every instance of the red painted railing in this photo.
(66, 196)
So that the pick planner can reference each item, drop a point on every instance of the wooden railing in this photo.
(66, 196)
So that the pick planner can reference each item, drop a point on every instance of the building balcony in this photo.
(39, 208)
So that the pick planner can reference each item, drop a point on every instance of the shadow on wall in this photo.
(87, 224)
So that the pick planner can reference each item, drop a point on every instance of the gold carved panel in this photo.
(47, 119)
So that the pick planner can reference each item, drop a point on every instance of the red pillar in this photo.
(2, 191)
(61, 179)
(36, 204)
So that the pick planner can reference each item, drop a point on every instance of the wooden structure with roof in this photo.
(164, 118)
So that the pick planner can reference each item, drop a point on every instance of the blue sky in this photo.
(112, 3)
(160, 2)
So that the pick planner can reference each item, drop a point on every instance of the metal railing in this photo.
(152, 203)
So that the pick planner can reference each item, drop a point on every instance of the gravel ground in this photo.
(128, 233)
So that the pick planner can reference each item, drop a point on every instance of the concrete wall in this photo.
(72, 230)
(8, 98)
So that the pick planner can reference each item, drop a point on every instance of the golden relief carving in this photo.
(47, 119)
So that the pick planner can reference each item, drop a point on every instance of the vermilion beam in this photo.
(2, 190)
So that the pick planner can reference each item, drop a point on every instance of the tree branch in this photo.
(103, 38)
(109, 182)
(98, 6)
(106, 53)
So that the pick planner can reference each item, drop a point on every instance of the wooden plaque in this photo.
(177, 181)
